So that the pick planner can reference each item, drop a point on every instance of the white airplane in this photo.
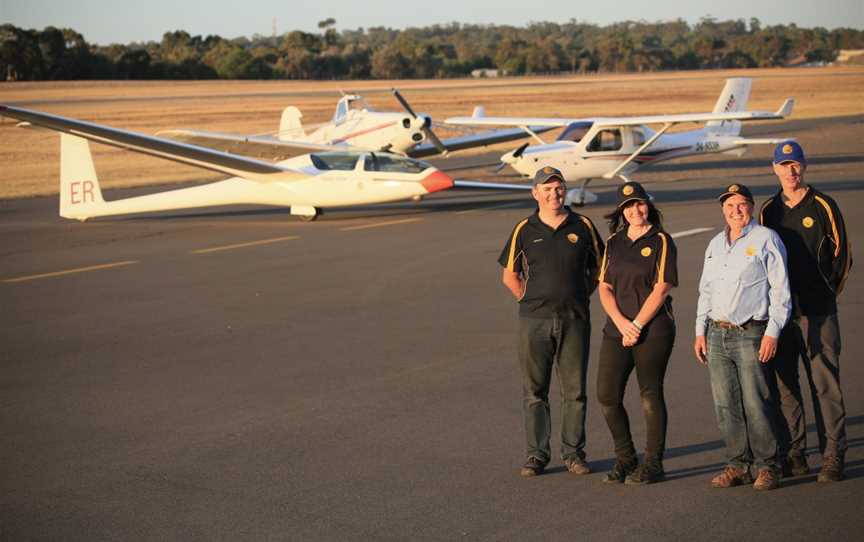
(354, 127)
(608, 147)
(304, 183)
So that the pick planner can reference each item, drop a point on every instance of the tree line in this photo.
(436, 51)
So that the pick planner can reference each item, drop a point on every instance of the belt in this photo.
(729, 325)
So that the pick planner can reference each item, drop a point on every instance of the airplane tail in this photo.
(291, 127)
(733, 99)
(80, 195)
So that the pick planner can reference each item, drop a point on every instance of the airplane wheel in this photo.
(311, 218)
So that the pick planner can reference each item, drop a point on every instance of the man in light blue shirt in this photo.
(744, 302)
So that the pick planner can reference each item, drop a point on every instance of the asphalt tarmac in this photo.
(238, 374)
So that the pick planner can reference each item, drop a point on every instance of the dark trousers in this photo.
(815, 340)
(562, 343)
(650, 358)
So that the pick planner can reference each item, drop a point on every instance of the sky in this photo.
(126, 21)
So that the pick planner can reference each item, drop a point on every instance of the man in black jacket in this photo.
(811, 226)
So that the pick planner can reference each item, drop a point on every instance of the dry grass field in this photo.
(30, 158)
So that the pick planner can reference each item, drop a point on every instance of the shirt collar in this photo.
(744, 231)
(622, 232)
(535, 219)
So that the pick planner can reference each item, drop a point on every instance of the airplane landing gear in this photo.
(305, 213)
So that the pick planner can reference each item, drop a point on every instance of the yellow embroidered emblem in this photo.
(548, 169)
(645, 251)
(572, 237)
(627, 190)
(807, 221)
(787, 148)
(750, 251)
(734, 188)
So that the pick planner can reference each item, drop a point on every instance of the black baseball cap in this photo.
(630, 191)
(736, 189)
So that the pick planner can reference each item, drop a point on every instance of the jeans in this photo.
(544, 342)
(742, 396)
(650, 358)
(815, 340)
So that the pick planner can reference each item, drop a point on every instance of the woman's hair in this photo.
(617, 221)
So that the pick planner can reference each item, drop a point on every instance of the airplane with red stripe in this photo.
(615, 147)
(306, 183)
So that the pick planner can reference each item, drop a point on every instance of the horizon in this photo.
(96, 20)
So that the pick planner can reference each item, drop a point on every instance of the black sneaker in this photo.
(620, 471)
(795, 465)
(646, 473)
(532, 467)
(832, 469)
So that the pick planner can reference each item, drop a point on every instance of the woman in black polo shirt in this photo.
(639, 269)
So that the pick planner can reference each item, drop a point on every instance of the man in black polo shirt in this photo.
(550, 261)
(811, 226)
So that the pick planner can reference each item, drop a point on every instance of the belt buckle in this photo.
(722, 324)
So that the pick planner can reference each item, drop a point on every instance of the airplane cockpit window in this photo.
(341, 111)
(340, 161)
(638, 137)
(391, 163)
(575, 131)
(348, 103)
(606, 140)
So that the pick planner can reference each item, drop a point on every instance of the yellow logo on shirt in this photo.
(750, 251)
(787, 149)
(573, 238)
(807, 221)
(627, 190)
(646, 251)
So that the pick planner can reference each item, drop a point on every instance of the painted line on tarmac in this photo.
(244, 245)
(687, 233)
(71, 271)
(502, 206)
(381, 224)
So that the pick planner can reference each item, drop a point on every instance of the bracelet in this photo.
(637, 324)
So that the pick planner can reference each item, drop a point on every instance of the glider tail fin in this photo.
(291, 127)
(733, 99)
(80, 195)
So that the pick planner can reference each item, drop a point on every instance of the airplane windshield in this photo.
(340, 161)
(575, 131)
(397, 164)
(348, 103)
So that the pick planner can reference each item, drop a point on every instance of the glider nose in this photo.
(436, 181)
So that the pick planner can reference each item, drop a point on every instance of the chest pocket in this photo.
(752, 271)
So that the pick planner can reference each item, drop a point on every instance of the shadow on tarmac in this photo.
(854, 469)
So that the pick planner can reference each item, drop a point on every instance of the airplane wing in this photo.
(549, 123)
(482, 120)
(575, 196)
(184, 153)
(266, 147)
(459, 183)
(481, 139)
(784, 111)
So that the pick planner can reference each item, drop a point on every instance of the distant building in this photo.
(488, 72)
(850, 56)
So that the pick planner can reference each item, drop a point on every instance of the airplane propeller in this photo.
(427, 128)
(511, 157)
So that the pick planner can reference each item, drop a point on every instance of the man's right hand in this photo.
(700, 346)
